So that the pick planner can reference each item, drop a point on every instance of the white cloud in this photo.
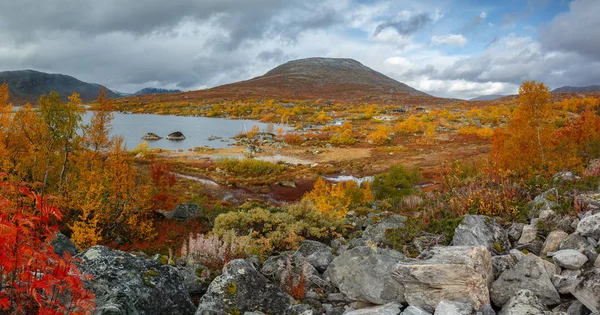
(449, 39)
(483, 15)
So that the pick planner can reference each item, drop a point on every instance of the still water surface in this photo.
(196, 129)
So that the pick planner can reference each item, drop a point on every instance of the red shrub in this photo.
(34, 279)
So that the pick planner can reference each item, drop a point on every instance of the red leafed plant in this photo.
(34, 279)
(163, 181)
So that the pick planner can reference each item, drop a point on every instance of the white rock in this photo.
(455, 273)
(387, 309)
(570, 259)
(453, 308)
(589, 226)
(528, 235)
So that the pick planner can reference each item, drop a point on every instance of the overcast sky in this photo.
(451, 48)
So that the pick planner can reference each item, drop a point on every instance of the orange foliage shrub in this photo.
(380, 136)
(335, 200)
(293, 138)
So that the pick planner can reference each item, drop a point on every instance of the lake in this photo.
(196, 129)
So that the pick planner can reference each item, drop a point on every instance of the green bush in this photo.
(250, 167)
(282, 229)
(396, 183)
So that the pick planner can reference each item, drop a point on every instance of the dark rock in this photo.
(275, 266)
(529, 273)
(62, 244)
(364, 274)
(480, 230)
(587, 291)
(125, 284)
(242, 288)
(574, 241)
(197, 279)
(151, 136)
(376, 231)
(183, 212)
(317, 254)
(514, 231)
(502, 263)
(177, 135)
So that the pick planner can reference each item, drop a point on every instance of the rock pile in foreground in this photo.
(522, 268)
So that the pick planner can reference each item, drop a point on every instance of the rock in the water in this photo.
(553, 241)
(456, 273)
(363, 274)
(376, 232)
(125, 284)
(413, 310)
(589, 226)
(151, 136)
(183, 212)
(177, 135)
(587, 291)
(528, 234)
(387, 309)
(570, 259)
(524, 302)
(480, 230)
(530, 274)
(317, 254)
(453, 308)
(241, 288)
(62, 244)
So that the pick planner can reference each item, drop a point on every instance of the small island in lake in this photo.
(177, 135)
(151, 136)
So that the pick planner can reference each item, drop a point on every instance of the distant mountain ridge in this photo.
(490, 97)
(150, 90)
(324, 79)
(28, 85)
(577, 89)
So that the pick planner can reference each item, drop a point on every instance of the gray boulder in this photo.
(125, 284)
(387, 309)
(528, 234)
(544, 201)
(577, 308)
(480, 230)
(574, 241)
(587, 291)
(553, 241)
(453, 308)
(197, 278)
(363, 274)
(565, 281)
(376, 232)
(589, 226)
(514, 231)
(183, 212)
(317, 254)
(275, 266)
(589, 201)
(502, 263)
(413, 310)
(529, 273)
(62, 244)
(570, 259)
(524, 302)
(242, 288)
(456, 273)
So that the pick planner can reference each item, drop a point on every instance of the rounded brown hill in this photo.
(328, 79)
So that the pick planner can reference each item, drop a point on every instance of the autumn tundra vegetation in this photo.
(61, 175)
